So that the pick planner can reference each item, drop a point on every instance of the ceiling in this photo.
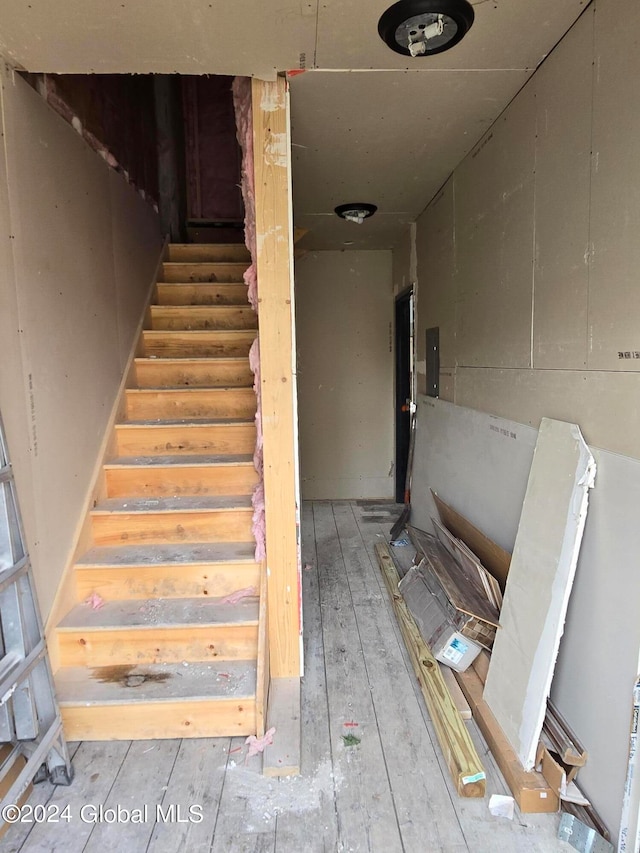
(368, 124)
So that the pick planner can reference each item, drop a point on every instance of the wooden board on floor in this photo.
(408, 746)
(363, 796)
(529, 789)
(463, 761)
(141, 781)
(282, 757)
(457, 696)
(192, 797)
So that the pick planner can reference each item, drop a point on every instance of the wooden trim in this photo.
(277, 352)
(530, 789)
(466, 769)
(66, 595)
(262, 677)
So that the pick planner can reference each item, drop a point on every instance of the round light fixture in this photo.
(356, 211)
(425, 27)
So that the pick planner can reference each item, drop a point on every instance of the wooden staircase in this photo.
(164, 655)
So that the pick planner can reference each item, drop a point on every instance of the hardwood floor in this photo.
(389, 792)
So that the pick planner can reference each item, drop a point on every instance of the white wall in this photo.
(344, 320)
(78, 249)
(528, 262)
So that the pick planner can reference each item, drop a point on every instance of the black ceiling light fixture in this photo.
(425, 27)
(356, 211)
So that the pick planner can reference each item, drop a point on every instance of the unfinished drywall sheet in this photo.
(136, 248)
(479, 464)
(614, 296)
(494, 201)
(543, 565)
(461, 453)
(563, 92)
(13, 394)
(207, 38)
(344, 318)
(437, 290)
(599, 401)
(66, 303)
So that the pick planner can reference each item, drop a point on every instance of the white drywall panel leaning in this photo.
(536, 598)
(479, 464)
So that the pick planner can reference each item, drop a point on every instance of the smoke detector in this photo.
(425, 27)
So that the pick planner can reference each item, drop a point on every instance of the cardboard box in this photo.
(435, 622)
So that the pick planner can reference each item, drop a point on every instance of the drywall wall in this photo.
(344, 320)
(79, 248)
(527, 261)
(479, 464)
(528, 258)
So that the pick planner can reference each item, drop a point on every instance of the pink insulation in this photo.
(244, 124)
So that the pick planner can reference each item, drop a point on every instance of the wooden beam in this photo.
(459, 752)
(282, 757)
(262, 674)
(530, 789)
(277, 352)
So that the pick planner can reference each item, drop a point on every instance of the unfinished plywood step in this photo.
(158, 701)
(214, 437)
(158, 631)
(164, 476)
(167, 571)
(194, 403)
(197, 344)
(193, 372)
(158, 521)
(201, 293)
(198, 252)
(199, 317)
(204, 271)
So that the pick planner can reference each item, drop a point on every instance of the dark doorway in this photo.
(404, 386)
(215, 211)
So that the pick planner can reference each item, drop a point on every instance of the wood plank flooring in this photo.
(389, 792)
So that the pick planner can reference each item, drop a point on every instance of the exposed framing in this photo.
(272, 165)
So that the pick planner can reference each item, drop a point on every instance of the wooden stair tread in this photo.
(193, 318)
(185, 422)
(205, 310)
(187, 503)
(194, 390)
(199, 333)
(173, 682)
(150, 555)
(195, 461)
(187, 252)
(203, 293)
(160, 613)
(204, 270)
(213, 360)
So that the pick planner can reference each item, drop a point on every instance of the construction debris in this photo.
(460, 754)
